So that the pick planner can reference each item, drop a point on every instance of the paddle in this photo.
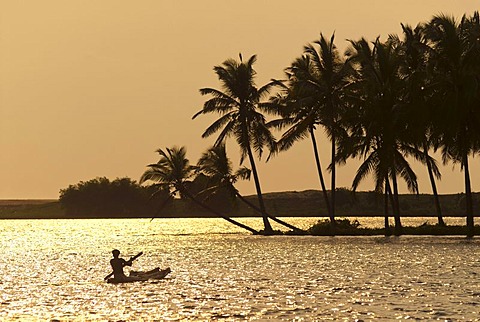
(130, 260)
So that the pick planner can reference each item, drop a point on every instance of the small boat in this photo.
(138, 276)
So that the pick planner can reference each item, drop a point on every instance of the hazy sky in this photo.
(93, 88)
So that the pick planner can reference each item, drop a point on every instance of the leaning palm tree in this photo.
(455, 66)
(315, 92)
(240, 106)
(215, 165)
(173, 173)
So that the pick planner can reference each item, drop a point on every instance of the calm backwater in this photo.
(54, 269)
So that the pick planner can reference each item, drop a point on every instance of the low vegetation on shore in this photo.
(346, 227)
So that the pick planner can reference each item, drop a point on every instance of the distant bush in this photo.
(101, 197)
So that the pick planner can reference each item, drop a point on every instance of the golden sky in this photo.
(93, 88)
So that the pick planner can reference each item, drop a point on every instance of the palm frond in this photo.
(243, 173)
(297, 132)
(369, 165)
(266, 89)
(406, 172)
(221, 122)
(228, 130)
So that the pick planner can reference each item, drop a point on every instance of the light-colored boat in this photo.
(138, 276)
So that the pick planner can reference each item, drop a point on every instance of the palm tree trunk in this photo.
(390, 195)
(396, 207)
(438, 209)
(281, 222)
(319, 170)
(267, 227)
(469, 200)
(387, 194)
(230, 220)
(333, 187)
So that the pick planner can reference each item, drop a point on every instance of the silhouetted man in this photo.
(118, 264)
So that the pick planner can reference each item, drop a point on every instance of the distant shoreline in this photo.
(23, 202)
(280, 204)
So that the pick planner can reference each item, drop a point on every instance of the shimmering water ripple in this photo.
(53, 269)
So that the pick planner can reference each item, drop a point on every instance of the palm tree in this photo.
(173, 173)
(414, 52)
(455, 64)
(377, 124)
(315, 93)
(296, 112)
(215, 164)
(240, 106)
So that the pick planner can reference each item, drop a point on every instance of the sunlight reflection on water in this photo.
(54, 269)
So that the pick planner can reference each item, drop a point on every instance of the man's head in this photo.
(116, 253)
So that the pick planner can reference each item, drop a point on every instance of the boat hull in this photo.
(154, 274)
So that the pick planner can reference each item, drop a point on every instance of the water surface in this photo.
(54, 269)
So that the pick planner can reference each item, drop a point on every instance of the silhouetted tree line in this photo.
(101, 197)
